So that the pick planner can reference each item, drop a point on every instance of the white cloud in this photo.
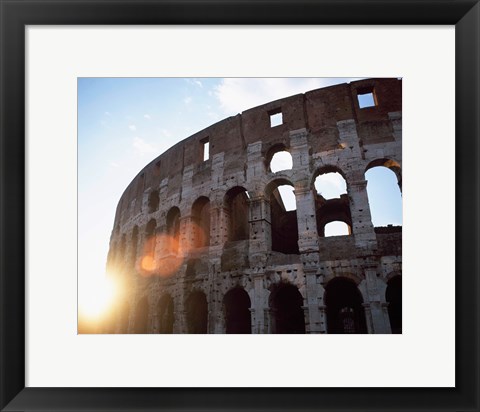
(187, 100)
(238, 94)
(132, 127)
(107, 114)
(142, 147)
(147, 116)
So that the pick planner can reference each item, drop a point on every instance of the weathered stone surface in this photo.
(207, 246)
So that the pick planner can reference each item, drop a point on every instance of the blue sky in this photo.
(124, 123)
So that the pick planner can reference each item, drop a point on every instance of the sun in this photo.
(97, 297)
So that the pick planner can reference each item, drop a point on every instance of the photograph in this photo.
(239, 205)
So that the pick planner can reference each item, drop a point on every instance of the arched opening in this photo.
(281, 160)
(332, 204)
(237, 311)
(283, 217)
(173, 229)
(237, 209)
(330, 183)
(150, 238)
(165, 314)
(201, 222)
(393, 296)
(337, 228)
(197, 313)
(287, 313)
(345, 313)
(124, 318)
(153, 201)
(141, 316)
(134, 246)
(333, 210)
(384, 193)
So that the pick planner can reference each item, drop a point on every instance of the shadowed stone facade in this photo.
(206, 246)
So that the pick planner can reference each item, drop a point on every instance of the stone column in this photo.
(259, 304)
(218, 225)
(260, 225)
(306, 220)
(379, 319)
(314, 292)
(396, 120)
(363, 230)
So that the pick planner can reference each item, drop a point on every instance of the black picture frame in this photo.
(15, 15)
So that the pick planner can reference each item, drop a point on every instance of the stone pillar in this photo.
(379, 319)
(260, 225)
(363, 230)
(259, 325)
(313, 293)
(185, 242)
(306, 220)
(218, 225)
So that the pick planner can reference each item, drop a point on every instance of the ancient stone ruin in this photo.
(203, 242)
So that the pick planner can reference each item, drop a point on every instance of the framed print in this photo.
(59, 61)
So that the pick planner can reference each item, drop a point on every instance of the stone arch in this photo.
(382, 192)
(197, 312)
(344, 307)
(236, 305)
(331, 208)
(325, 169)
(391, 164)
(173, 229)
(140, 325)
(272, 152)
(284, 224)
(201, 222)
(393, 296)
(286, 307)
(165, 313)
(237, 207)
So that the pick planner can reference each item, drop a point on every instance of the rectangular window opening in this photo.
(276, 118)
(205, 148)
(366, 98)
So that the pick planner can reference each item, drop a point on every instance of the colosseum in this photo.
(203, 243)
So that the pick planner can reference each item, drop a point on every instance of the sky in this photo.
(124, 123)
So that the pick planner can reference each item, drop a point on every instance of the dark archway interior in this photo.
(332, 210)
(237, 203)
(153, 201)
(165, 314)
(286, 303)
(201, 220)
(141, 316)
(197, 313)
(237, 311)
(134, 246)
(393, 296)
(284, 226)
(345, 313)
